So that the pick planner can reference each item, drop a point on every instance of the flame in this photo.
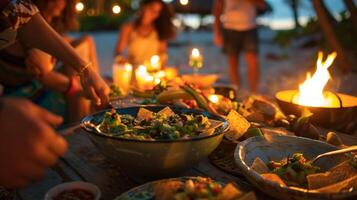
(311, 91)
(213, 98)
(195, 52)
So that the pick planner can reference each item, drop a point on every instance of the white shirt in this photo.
(239, 15)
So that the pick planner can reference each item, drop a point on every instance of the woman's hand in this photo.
(38, 62)
(94, 87)
(28, 142)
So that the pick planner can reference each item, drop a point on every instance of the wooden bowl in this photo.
(337, 118)
(275, 147)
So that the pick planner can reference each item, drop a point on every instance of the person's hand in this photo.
(218, 39)
(38, 62)
(28, 142)
(94, 87)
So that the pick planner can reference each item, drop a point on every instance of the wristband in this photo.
(71, 90)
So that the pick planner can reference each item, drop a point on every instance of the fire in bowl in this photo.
(330, 110)
(341, 115)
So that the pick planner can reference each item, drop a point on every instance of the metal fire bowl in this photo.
(343, 118)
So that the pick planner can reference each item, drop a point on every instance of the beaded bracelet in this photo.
(81, 71)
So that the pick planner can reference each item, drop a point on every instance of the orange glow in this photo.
(311, 91)
(214, 98)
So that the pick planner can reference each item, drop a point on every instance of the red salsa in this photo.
(76, 194)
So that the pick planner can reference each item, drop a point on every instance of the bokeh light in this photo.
(79, 7)
(116, 9)
(184, 2)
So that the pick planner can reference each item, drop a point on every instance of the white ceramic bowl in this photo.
(53, 192)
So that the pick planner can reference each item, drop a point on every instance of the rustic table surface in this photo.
(84, 162)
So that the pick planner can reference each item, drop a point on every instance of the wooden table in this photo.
(84, 162)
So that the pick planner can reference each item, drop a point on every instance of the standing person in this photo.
(148, 34)
(235, 30)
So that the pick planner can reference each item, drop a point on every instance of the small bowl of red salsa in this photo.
(74, 191)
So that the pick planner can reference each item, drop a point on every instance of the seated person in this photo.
(26, 151)
(148, 34)
(29, 72)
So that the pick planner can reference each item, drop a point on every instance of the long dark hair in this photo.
(163, 24)
(68, 19)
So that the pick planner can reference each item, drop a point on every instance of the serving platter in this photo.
(279, 147)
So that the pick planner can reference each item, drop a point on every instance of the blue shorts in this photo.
(234, 42)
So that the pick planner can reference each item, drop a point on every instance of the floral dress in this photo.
(14, 14)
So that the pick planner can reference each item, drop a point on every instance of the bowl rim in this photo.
(150, 183)
(70, 185)
(278, 99)
(91, 131)
(249, 173)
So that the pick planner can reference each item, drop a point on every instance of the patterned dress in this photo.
(14, 14)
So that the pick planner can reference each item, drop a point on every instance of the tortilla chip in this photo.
(144, 114)
(248, 196)
(338, 173)
(229, 192)
(166, 111)
(167, 190)
(238, 125)
(259, 166)
(273, 178)
(211, 129)
(345, 185)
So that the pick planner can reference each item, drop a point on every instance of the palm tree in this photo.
(353, 11)
(294, 5)
(323, 17)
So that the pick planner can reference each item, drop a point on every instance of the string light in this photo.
(184, 2)
(116, 9)
(79, 6)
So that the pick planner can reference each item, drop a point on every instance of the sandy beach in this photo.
(281, 68)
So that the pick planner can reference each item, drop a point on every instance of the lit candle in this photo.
(122, 76)
(196, 60)
(144, 80)
(155, 63)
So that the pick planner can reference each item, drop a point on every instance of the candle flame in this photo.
(195, 52)
(128, 67)
(213, 98)
(155, 59)
(311, 91)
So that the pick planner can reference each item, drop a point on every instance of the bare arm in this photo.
(56, 81)
(123, 39)
(38, 34)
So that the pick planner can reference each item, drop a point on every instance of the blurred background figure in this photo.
(147, 34)
(33, 74)
(235, 30)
